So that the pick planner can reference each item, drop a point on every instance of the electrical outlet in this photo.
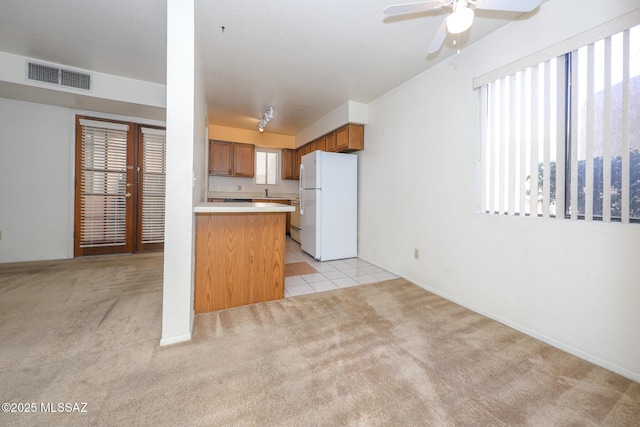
(239, 187)
(416, 253)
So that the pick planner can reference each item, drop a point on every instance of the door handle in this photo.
(127, 195)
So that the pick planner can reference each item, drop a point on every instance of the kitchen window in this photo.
(266, 166)
(560, 138)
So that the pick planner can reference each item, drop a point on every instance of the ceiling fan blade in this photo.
(438, 39)
(421, 6)
(509, 5)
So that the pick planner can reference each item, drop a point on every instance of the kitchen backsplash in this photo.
(231, 184)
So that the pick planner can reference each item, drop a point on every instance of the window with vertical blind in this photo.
(560, 138)
(266, 166)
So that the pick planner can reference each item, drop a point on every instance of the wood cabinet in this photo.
(288, 157)
(244, 160)
(330, 141)
(282, 202)
(220, 158)
(346, 139)
(239, 259)
(350, 138)
(231, 159)
(297, 156)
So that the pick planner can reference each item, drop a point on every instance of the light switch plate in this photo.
(416, 253)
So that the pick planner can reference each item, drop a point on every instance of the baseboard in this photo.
(552, 342)
(175, 340)
(180, 338)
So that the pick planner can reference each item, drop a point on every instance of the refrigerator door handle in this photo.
(301, 182)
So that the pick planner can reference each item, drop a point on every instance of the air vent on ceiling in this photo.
(58, 76)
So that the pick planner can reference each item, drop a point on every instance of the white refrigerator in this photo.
(329, 205)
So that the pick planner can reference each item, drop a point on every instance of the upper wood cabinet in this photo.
(350, 138)
(312, 146)
(282, 202)
(244, 160)
(220, 158)
(297, 159)
(347, 139)
(231, 159)
(288, 168)
(330, 141)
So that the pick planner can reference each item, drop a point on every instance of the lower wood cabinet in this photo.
(239, 259)
(282, 202)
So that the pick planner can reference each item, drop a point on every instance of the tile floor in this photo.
(329, 274)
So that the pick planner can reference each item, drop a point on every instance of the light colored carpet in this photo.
(385, 354)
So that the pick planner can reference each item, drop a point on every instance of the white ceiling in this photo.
(306, 58)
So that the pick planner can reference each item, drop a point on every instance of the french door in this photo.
(120, 187)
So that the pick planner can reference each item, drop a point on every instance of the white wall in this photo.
(37, 149)
(572, 284)
(36, 143)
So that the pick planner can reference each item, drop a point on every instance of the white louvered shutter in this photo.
(266, 167)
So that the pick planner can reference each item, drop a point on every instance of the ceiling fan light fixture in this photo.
(460, 20)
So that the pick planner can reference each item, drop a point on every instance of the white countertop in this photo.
(240, 207)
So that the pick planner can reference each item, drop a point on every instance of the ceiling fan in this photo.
(462, 14)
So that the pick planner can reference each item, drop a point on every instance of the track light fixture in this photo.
(268, 115)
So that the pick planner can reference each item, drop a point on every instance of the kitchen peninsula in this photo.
(240, 250)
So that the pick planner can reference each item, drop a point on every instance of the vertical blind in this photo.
(153, 184)
(266, 167)
(523, 141)
(103, 183)
(605, 133)
(530, 157)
